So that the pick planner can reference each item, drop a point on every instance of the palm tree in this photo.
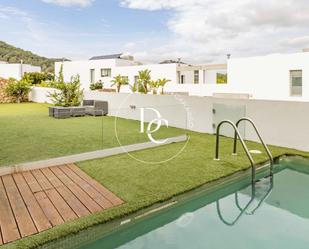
(144, 79)
(119, 81)
(134, 87)
(161, 83)
(154, 85)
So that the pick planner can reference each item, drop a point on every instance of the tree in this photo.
(18, 89)
(60, 75)
(68, 94)
(134, 87)
(154, 85)
(13, 54)
(144, 79)
(119, 80)
(161, 83)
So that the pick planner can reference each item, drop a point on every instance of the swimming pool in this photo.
(276, 216)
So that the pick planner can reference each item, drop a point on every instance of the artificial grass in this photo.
(29, 134)
(141, 185)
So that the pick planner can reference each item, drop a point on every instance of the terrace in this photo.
(28, 134)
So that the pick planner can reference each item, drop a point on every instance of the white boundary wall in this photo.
(281, 123)
(39, 94)
(16, 70)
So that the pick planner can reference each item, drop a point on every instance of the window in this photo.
(296, 82)
(182, 79)
(196, 77)
(125, 78)
(221, 78)
(106, 72)
(92, 75)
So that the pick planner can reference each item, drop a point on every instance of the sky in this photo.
(198, 31)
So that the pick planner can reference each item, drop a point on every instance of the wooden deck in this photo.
(34, 201)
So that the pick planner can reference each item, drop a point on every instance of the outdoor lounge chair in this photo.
(95, 107)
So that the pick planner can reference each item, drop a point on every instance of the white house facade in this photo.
(16, 70)
(277, 76)
(270, 77)
(104, 68)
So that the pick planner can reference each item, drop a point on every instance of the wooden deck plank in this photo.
(40, 220)
(7, 221)
(90, 190)
(71, 199)
(37, 200)
(42, 180)
(51, 177)
(64, 209)
(48, 208)
(105, 192)
(73, 202)
(82, 196)
(22, 216)
(32, 182)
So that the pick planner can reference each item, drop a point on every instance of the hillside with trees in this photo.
(13, 54)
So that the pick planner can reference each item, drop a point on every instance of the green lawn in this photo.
(29, 134)
(141, 185)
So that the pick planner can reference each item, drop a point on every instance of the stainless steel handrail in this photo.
(242, 211)
(260, 138)
(242, 143)
(268, 192)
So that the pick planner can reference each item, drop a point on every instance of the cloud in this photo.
(70, 3)
(298, 41)
(210, 28)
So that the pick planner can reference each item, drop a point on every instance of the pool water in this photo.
(275, 216)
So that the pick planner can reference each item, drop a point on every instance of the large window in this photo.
(92, 75)
(106, 72)
(221, 78)
(182, 79)
(296, 82)
(196, 77)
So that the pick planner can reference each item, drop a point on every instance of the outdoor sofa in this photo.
(89, 107)
(95, 107)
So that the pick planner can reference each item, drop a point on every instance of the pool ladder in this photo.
(249, 203)
(237, 135)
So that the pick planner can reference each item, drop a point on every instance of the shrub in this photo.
(56, 82)
(68, 94)
(49, 84)
(36, 78)
(97, 85)
(18, 89)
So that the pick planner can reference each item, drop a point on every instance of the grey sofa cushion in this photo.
(88, 102)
